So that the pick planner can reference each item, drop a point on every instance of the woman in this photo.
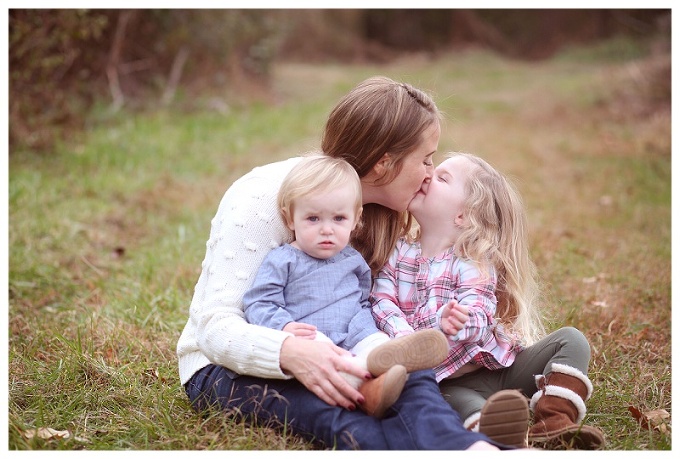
(388, 131)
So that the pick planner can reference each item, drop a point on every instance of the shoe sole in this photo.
(417, 351)
(395, 378)
(505, 418)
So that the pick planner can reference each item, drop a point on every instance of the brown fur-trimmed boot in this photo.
(559, 409)
(381, 393)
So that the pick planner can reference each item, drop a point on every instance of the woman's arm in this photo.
(244, 230)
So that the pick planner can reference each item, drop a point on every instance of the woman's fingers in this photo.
(316, 365)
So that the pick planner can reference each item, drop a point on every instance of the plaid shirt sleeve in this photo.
(477, 292)
(384, 300)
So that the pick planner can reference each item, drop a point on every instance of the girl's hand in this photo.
(454, 317)
(317, 365)
(300, 330)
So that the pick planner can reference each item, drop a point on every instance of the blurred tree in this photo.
(51, 61)
(63, 60)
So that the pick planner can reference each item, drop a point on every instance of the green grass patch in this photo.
(107, 234)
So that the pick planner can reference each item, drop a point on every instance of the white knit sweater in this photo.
(246, 227)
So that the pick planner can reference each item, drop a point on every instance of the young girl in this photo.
(317, 286)
(468, 272)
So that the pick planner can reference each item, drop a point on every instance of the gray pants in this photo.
(468, 393)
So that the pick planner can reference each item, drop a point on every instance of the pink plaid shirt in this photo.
(410, 290)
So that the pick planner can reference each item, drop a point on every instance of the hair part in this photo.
(497, 236)
(317, 173)
(379, 116)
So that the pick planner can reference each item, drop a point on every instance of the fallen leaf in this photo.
(47, 433)
(654, 419)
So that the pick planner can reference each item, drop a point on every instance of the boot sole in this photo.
(395, 378)
(418, 351)
(571, 437)
(505, 418)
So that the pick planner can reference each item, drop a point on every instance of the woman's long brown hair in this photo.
(379, 116)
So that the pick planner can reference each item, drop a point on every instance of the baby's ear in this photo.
(287, 219)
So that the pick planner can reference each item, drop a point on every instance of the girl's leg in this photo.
(504, 417)
(466, 401)
(566, 346)
(553, 373)
(561, 389)
(420, 419)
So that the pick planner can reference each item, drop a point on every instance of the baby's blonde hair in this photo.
(317, 173)
(497, 235)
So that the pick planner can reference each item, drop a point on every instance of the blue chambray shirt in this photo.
(331, 294)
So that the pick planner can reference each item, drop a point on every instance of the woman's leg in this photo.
(274, 402)
(420, 419)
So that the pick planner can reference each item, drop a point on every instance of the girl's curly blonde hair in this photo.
(496, 236)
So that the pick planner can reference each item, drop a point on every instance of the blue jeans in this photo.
(420, 419)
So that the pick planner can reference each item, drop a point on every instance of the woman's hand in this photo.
(317, 365)
(454, 317)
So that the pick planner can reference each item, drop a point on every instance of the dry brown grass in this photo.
(106, 237)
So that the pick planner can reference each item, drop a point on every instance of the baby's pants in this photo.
(359, 352)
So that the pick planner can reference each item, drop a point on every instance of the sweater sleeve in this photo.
(246, 227)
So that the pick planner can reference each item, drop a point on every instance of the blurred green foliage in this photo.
(62, 62)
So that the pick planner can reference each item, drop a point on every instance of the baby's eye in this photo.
(339, 218)
(313, 218)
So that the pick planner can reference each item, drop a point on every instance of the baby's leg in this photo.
(360, 361)
(366, 345)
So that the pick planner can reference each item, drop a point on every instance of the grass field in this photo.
(107, 234)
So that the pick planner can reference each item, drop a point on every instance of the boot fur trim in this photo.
(576, 373)
(564, 393)
(540, 381)
(472, 422)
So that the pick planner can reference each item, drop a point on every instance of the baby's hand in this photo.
(300, 330)
(454, 317)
